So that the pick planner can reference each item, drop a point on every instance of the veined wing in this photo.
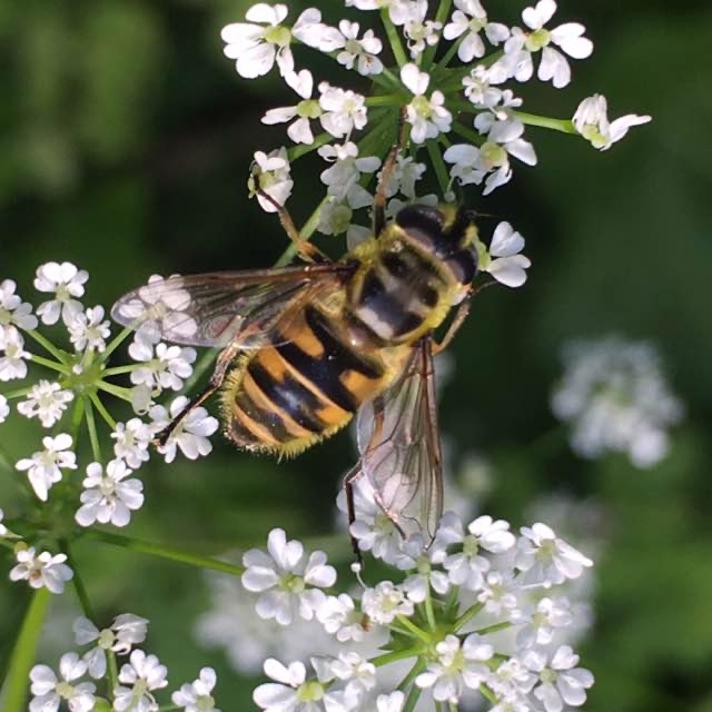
(219, 308)
(399, 443)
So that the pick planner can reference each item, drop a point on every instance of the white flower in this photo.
(109, 497)
(406, 174)
(591, 121)
(615, 397)
(428, 117)
(499, 593)
(13, 311)
(350, 667)
(89, 329)
(4, 409)
(144, 674)
(459, 665)
(67, 282)
(43, 570)
(47, 401)
(384, 602)
(479, 90)
(44, 468)
(334, 217)
(560, 682)
(141, 399)
(271, 173)
(547, 559)
(167, 368)
(132, 441)
(126, 630)
(541, 620)
(554, 65)
(3, 528)
(258, 43)
(196, 696)
(503, 260)
(342, 177)
(340, 618)
(343, 110)
(299, 130)
(419, 32)
(192, 433)
(49, 690)
(287, 580)
(12, 364)
(420, 556)
(469, 19)
(511, 682)
(390, 703)
(359, 53)
(468, 567)
(399, 11)
(292, 692)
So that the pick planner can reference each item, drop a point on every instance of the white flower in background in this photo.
(139, 678)
(591, 121)
(47, 401)
(499, 593)
(384, 602)
(541, 620)
(406, 174)
(44, 468)
(287, 580)
(467, 568)
(12, 354)
(4, 409)
(41, 571)
(512, 682)
(126, 631)
(547, 559)
(351, 668)
(342, 177)
(560, 681)
(390, 703)
(109, 497)
(428, 117)
(359, 53)
(13, 311)
(459, 665)
(469, 19)
(66, 282)
(615, 398)
(300, 129)
(3, 528)
(260, 42)
(49, 691)
(419, 557)
(343, 110)
(89, 330)
(191, 435)
(197, 696)
(132, 441)
(419, 32)
(168, 367)
(311, 31)
(553, 66)
(271, 175)
(503, 259)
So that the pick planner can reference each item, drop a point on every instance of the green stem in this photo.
(393, 38)
(113, 669)
(5, 460)
(493, 628)
(412, 699)
(441, 16)
(303, 149)
(77, 415)
(396, 655)
(468, 133)
(164, 552)
(488, 694)
(429, 612)
(117, 391)
(116, 342)
(447, 57)
(101, 409)
(49, 364)
(388, 100)
(93, 436)
(441, 171)
(419, 666)
(410, 626)
(392, 78)
(47, 345)
(23, 654)
(17, 393)
(120, 370)
(546, 122)
(467, 616)
(77, 581)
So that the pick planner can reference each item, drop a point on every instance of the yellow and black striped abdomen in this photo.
(285, 398)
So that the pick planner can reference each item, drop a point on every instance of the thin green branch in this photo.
(164, 552)
(441, 16)
(468, 133)
(467, 616)
(410, 626)
(452, 50)
(117, 391)
(303, 149)
(77, 581)
(493, 628)
(115, 343)
(14, 690)
(419, 666)
(412, 699)
(436, 158)
(546, 122)
(113, 670)
(101, 409)
(93, 435)
(393, 38)
(47, 345)
(396, 655)
(53, 365)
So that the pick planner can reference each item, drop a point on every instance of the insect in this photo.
(308, 347)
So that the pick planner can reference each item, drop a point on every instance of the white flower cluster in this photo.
(615, 398)
(131, 688)
(479, 608)
(77, 389)
(448, 79)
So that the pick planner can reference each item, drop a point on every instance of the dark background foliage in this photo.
(125, 138)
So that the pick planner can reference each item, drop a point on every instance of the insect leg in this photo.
(353, 476)
(460, 315)
(306, 250)
(379, 200)
(226, 357)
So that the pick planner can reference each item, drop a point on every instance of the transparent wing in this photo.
(219, 308)
(399, 445)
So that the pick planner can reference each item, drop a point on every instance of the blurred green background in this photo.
(125, 139)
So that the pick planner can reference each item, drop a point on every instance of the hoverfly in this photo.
(307, 347)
